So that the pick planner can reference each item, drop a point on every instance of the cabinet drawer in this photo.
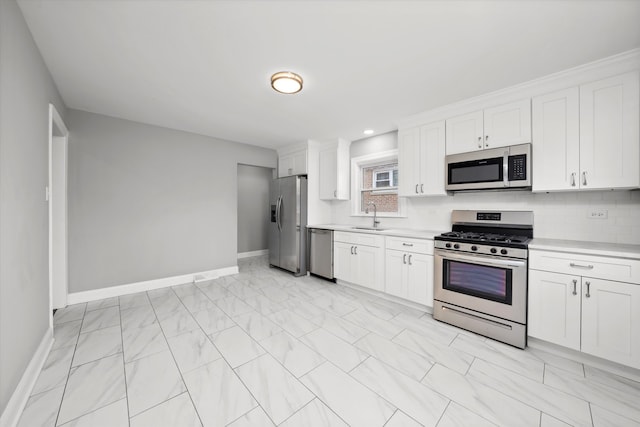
(358, 238)
(418, 246)
(617, 269)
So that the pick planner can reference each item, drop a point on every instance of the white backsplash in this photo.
(556, 215)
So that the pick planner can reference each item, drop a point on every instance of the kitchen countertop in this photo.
(587, 248)
(395, 232)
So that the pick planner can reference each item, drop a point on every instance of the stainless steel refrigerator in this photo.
(288, 222)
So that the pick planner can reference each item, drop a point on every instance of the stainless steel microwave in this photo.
(492, 169)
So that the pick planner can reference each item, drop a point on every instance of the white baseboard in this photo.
(148, 285)
(578, 356)
(20, 396)
(252, 253)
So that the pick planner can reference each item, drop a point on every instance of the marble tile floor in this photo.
(263, 348)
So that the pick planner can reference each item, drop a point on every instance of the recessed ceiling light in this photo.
(286, 82)
(368, 132)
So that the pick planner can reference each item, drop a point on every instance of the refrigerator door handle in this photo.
(280, 213)
(278, 207)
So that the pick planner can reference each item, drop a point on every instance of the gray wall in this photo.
(26, 90)
(253, 207)
(147, 202)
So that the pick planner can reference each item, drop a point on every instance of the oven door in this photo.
(491, 285)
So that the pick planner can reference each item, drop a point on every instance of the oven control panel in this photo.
(496, 251)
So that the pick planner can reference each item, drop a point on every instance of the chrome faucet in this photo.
(375, 214)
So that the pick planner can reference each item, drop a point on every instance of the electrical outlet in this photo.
(598, 214)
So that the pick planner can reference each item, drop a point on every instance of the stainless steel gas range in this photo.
(481, 274)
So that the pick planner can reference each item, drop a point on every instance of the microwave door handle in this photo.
(505, 168)
(484, 261)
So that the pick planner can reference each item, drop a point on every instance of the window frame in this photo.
(357, 164)
(392, 185)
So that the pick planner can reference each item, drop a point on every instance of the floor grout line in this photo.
(333, 297)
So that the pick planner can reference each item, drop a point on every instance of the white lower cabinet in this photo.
(409, 269)
(611, 320)
(554, 308)
(359, 259)
(593, 315)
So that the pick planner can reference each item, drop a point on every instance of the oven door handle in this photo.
(483, 260)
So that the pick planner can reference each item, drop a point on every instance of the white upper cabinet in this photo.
(334, 170)
(500, 126)
(556, 136)
(432, 156)
(421, 156)
(293, 163)
(587, 138)
(465, 133)
(409, 162)
(609, 134)
(507, 124)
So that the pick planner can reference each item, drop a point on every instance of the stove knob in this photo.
(448, 245)
(494, 250)
(456, 246)
(474, 248)
(503, 251)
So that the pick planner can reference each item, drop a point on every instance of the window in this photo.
(386, 178)
(375, 181)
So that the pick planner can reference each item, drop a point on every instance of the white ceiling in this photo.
(204, 66)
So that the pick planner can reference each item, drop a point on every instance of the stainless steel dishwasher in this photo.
(321, 252)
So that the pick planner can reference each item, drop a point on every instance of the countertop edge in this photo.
(616, 250)
(391, 232)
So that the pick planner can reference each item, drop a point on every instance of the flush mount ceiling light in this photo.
(286, 82)
(368, 132)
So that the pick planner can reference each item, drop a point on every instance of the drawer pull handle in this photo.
(574, 265)
(588, 295)
(575, 283)
(407, 244)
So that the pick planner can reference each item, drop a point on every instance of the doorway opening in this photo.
(253, 210)
(57, 197)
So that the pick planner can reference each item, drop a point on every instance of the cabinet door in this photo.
(554, 308)
(609, 121)
(395, 264)
(369, 261)
(465, 133)
(611, 320)
(432, 159)
(409, 162)
(329, 173)
(507, 124)
(420, 279)
(285, 166)
(300, 162)
(343, 261)
(556, 146)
